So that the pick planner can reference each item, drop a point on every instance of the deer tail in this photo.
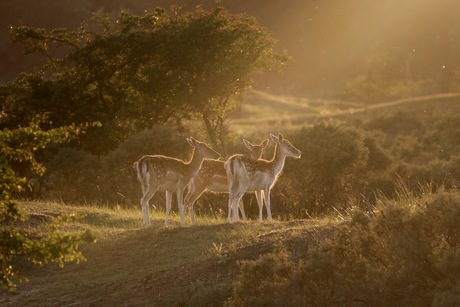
(231, 168)
(141, 169)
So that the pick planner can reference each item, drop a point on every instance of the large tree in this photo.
(136, 71)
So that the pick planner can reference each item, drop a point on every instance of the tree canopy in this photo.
(130, 73)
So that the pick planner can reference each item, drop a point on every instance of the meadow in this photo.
(158, 266)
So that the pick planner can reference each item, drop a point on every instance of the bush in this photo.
(439, 172)
(407, 254)
(397, 123)
(324, 177)
(443, 140)
(71, 175)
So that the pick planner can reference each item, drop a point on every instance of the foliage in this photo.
(18, 150)
(56, 246)
(268, 291)
(444, 137)
(420, 145)
(407, 254)
(322, 180)
(385, 74)
(137, 71)
(418, 134)
(71, 175)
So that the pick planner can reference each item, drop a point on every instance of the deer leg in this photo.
(230, 200)
(187, 200)
(145, 205)
(189, 204)
(180, 203)
(235, 209)
(241, 206)
(267, 204)
(260, 203)
(236, 215)
(168, 205)
(192, 195)
(232, 208)
(192, 213)
(231, 196)
(237, 200)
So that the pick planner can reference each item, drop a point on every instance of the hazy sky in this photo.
(328, 39)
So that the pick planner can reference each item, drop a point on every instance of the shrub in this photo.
(262, 282)
(71, 175)
(407, 254)
(324, 177)
(397, 123)
(443, 140)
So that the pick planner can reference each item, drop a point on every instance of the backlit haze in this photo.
(332, 42)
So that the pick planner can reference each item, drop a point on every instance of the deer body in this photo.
(246, 174)
(213, 177)
(161, 173)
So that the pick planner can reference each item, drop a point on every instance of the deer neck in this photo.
(278, 160)
(195, 163)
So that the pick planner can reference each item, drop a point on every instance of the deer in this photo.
(246, 174)
(161, 173)
(213, 177)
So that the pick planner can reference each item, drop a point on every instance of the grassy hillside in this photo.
(130, 265)
(265, 112)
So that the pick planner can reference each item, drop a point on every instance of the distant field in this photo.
(265, 113)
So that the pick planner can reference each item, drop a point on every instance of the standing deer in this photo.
(245, 174)
(213, 177)
(161, 173)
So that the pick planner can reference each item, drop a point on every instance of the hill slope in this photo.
(263, 112)
(158, 266)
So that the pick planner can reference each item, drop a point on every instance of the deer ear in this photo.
(191, 141)
(280, 137)
(247, 144)
(264, 143)
(274, 138)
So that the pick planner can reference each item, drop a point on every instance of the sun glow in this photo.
(330, 41)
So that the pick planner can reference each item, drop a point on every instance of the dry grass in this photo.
(158, 266)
